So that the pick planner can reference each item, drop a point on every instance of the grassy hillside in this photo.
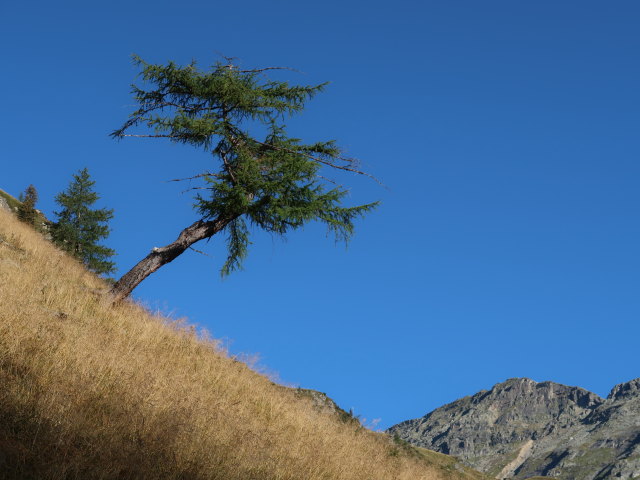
(13, 202)
(452, 465)
(100, 392)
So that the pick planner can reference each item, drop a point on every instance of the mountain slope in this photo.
(8, 202)
(11, 204)
(94, 391)
(521, 428)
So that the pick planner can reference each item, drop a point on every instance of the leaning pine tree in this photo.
(271, 181)
(79, 227)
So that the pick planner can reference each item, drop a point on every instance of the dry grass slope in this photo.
(92, 391)
(12, 202)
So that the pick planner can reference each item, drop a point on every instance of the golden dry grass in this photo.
(90, 391)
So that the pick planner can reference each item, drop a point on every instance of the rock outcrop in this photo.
(521, 428)
(3, 204)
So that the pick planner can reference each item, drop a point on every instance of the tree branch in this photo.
(149, 136)
(200, 175)
(324, 162)
(275, 147)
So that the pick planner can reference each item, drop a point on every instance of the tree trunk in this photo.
(163, 255)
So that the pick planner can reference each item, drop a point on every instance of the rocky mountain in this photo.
(521, 429)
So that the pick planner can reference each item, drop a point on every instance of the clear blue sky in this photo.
(508, 136)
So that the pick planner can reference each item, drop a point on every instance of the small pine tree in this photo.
(79, 228)
(27, 210)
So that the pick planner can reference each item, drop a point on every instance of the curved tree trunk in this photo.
(163, 255)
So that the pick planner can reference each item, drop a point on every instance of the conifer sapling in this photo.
(27, 209)
(79, 228)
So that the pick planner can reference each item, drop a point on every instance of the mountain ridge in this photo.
(521, 428)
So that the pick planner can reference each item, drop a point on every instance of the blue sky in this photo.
(507, 135)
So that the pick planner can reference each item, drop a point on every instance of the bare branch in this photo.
(258, 70)
(200, 175)
(330, 181)
(227, 167)
(200, 252)
(149, 136)
(230, 65)
(195, 188)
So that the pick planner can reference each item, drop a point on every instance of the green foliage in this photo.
(262, 177)
(27, 209)
(79, 228)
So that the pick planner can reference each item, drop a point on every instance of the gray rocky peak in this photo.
(625, 390)
(522, 428)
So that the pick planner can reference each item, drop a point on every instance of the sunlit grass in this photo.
(91, 391)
